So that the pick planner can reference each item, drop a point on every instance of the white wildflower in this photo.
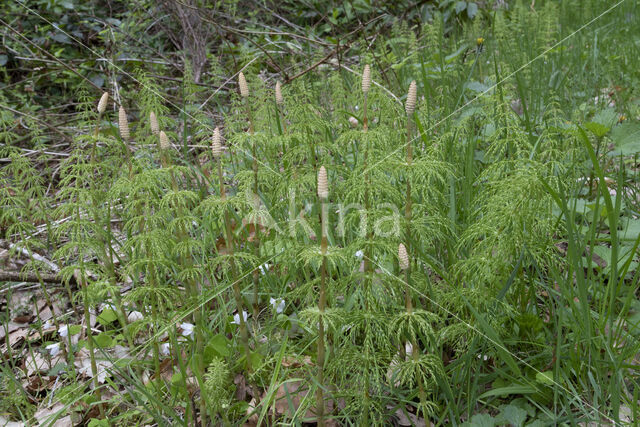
(264, 268)
(187, 329)
(236, 317)
(165, 349)
(103, 307)
(53, 349)
(359, 254)
(278, 304)
(134, 316)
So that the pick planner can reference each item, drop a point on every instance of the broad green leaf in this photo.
(216, 347)
(480, 420)
(631, 230)
(74, 329)
(545, 378)
(107, 316)
(103, 340)
(472, 10)
(508, 390)
(626, 138)
(597, 129)
(513, 415)
(607, 117)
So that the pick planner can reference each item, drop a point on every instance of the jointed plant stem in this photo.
(321, 307)
(256, 223)
(192, 290)
(244, 336)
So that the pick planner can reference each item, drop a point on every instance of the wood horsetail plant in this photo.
(404, 263)
(244, 93)
(432, 273)
(410, 107)
(101, 217)
(216, 151)
(323, 195)
(181, 202)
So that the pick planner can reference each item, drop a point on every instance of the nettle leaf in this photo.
(472, 10)
(513, 415)
(597, 129)
(480, 420)
(607, 117)
(460, 6)
(626, 138)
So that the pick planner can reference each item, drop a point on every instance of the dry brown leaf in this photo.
(45, 416)
(242, 389)
(36, 384)
(290, 395)
(10, 327)
(25, 318)
(36, 362)
(6, 423)
(409, 419)
(251, 412)
(83, 364)
(294, 362)
(45, 314)
(16, 337)
(35, 336)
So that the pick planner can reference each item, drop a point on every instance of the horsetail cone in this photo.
(102, 105)
(123, 123)
(153, 122)
(279, 98)
(244, 88)
(366, 79)
(164, 141)
(216, 147)
(323, 184)
(403, 257)
(412, 96)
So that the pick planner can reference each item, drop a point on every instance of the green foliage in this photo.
(216, 386)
